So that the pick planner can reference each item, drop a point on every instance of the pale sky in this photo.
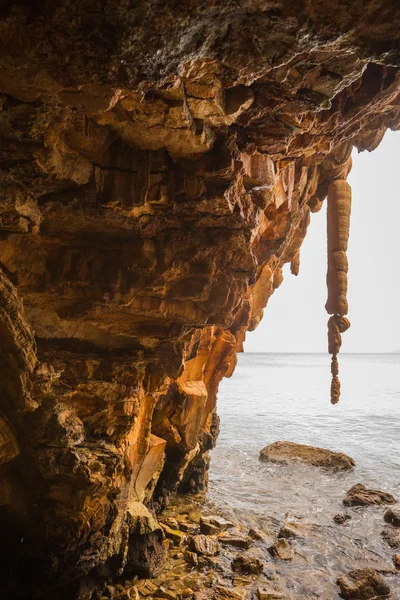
(295, 319)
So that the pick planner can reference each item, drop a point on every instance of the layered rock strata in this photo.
(159, 164)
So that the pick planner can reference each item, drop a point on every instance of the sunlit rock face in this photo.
(159, 163)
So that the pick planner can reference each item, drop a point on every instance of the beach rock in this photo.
(237, 540)
(175, 535)
(191, 558)
(282, 549)
(201, 544)
(391, 535)
(342, 518)
(359, 495)
(392, 516)
(290, 452)
(270, 594)
(363, 584)
(247, 562)
(396, 560)
(292, 529)
(256, 534)
(214, 524)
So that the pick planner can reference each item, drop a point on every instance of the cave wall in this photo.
(159, 162)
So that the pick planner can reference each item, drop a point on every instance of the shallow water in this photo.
(286, 397)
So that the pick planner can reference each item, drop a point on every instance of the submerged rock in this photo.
(363, 584)
(237, 540)
(396, 560)
(341, 518)
(247, 562)
(391, 535)
(392, 516)
(290, 452)
(359, 495)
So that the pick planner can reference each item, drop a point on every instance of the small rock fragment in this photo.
(363, 584)
(238, 540)
(282, 549)
(359, 495)
(391, 535)
(392, 516)
(214, 524)
(248, 563)
(201, 544)
(396, 560)
(175, 535)
(341, 518)
(269, 594)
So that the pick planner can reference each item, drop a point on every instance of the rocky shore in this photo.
(210, 557)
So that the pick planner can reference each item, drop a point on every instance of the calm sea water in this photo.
(274, 397)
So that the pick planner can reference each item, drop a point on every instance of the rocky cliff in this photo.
(159, 164)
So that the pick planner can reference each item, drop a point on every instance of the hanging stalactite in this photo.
(338, 220)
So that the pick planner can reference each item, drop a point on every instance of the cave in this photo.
(159, 162)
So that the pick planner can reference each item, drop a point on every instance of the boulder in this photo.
(282, 549)
(359, 495)
(363, 584)
(289, 452)
(201, 544)
(392, 516)
(247, 562)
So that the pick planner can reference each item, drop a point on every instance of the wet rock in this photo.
(363, 584)
(342, 518)
(289, 452)
(221, 593)
(175, 535)
(247, 562)
(256, 534)
(269, 594)
(392, 516)
(214, 524)
(162, 592)
(359, 495)
(396, 560)
(237, 540)
(391, 535)
(282, 549)
(191, 558)
(201, 544)
(292, 529)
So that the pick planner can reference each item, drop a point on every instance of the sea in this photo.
(273, 397)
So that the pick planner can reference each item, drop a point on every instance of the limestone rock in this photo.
(359, 495)
(247, 562)
(363, 584)
(204, 545)
(289, 452)
(392, 516)
(159, 162)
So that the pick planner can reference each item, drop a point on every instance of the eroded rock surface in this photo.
(289, 452)
(159, 163)
(363, 584)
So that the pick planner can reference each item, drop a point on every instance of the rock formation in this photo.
(159, 164)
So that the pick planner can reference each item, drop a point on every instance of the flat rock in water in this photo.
(270, 594)
(237, 540)
(392, 516)
(201, 544)
(289, 452)
(363, 584)
(359, 495)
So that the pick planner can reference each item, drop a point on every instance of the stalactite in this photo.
(338, 221)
